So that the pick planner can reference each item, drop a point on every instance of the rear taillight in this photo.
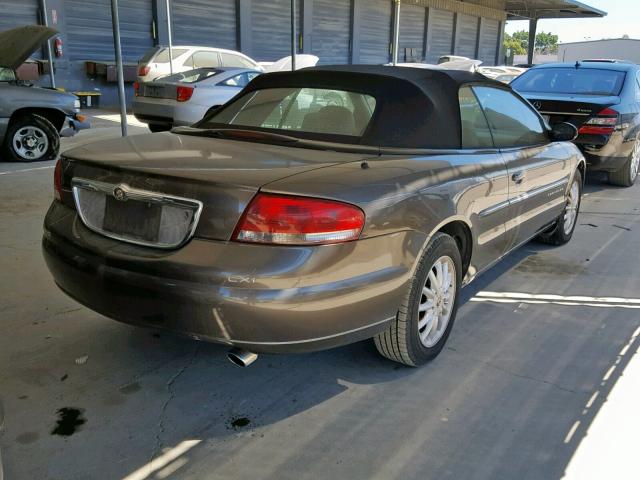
(183, 94)
(143, 70)
(57, 181)
(289, 220)
(604, 123)
(136, 89)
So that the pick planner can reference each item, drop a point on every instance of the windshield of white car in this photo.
(7, 75)
(298, 110)
(570, 80)
(191, 76)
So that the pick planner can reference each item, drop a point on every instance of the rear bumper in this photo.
(264, 299)
(152, 110)
(607, 156)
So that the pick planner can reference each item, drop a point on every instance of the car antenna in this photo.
(577, 63)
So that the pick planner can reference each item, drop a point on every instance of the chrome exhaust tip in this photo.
(240, 357)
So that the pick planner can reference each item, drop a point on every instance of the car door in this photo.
(539, 170)
(488, 199)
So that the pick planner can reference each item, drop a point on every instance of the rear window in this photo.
(311, 110)
(575, 81)
(163, 55)
(191, 76)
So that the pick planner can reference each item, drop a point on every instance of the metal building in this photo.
(337, 31)
(618, 48)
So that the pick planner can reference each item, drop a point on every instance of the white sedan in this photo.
(184, 98)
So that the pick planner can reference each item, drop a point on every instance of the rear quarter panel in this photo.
(418, 193)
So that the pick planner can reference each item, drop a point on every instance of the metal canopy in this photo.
(538, 9)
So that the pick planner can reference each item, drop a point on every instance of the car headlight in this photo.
(76, 104)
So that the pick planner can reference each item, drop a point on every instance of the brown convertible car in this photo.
(317, 208)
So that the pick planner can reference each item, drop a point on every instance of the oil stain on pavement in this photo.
(69, 421)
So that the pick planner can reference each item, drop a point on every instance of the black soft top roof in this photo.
(415, 107)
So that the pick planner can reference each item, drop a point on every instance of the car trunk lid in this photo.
(219, 174)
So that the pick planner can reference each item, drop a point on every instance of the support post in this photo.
(115, 19)
(45, 20)
(293, 35)
(396, 32)
(533, 25)
(170, 35)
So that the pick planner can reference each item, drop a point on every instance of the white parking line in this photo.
(570, 300)
(163, 460)
(27, 170)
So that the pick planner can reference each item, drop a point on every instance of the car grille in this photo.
(135, 216)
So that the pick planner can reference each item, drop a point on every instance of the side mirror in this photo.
(564, 132)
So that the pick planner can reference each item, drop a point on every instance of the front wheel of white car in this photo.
(426, 315)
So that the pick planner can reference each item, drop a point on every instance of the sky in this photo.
(623, 18)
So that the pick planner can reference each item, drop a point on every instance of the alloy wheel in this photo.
(571, 210)
(30, 143)
(437, 301)
(635, 161)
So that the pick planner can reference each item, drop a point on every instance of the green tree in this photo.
(519, 42)
(546, 42)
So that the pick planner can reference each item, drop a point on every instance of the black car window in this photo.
(513, 122)
(575, 81)
(475, 129)
(295, 109)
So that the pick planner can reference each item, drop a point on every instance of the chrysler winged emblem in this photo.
(120, 194)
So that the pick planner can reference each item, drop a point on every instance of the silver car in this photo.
(184, 98)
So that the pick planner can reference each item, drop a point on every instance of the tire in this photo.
(561, 232)
(626, 176)
(403, 340)
(31, 138)
(159, 127)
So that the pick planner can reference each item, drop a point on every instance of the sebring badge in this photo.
(119, 193)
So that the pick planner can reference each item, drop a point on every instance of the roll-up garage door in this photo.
(17, 14)
(209, 23)
(331, 33)
(271, 29)
(441, 34)
(489, 41)
(90, 34)
(467, 35)
(375, 31)
(411, 35)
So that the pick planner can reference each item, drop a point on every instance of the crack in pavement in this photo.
(165, 406)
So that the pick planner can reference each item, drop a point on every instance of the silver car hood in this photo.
(17, 44)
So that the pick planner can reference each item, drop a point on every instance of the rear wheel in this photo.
(562, 231)
(159, 127)
(427, 313)
(30, 138)
(626, 176)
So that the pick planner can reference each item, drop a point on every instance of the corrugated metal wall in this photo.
(210, 23)
(331, 31)
(89, 29)
(440, 40)
(411, 38)
(375, 31)
(467, 35)
(16, 14)
(489, 41)
(271, 29)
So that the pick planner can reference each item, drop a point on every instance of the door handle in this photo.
(518, 177)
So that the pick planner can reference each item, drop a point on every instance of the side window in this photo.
(638, 86)
(513, 122)
(204, 59)
(236, 81)
(251, 76)
(231, 60)
(475, 129)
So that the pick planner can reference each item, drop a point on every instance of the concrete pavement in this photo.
(540, 348)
